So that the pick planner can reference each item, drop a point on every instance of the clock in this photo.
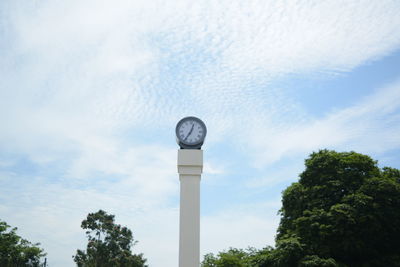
(190, 133)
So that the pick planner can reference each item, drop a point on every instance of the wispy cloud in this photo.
(370, 126)
(240, 226)
(90, 92)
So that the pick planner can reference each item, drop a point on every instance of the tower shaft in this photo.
(190, 167)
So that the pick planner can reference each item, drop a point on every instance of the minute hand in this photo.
(191, 130)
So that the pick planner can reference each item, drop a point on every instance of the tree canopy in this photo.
(343, 211)
(109, 244)
(16, 251)
(232, 257)
(344, 208)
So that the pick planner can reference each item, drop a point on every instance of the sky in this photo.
(91, 91)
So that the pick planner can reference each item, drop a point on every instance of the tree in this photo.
(343, 211)
(109, 244)
(232, 258)
(16, 251)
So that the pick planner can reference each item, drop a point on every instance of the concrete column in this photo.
(190, 167)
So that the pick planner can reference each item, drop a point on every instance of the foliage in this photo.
(315, 261)
(233, 258)
(109, 244)
(16, 251)
(343, 211)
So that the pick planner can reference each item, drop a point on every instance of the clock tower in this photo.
(190, 135)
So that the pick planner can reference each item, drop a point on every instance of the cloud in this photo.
(369, 126)
(90, 92)
(117, 61)
(108, 67)
(121, 62)
(240, 227)
(50, 213)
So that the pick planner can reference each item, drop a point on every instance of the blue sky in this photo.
(91, 91)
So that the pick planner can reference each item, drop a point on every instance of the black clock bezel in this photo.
(185, 145)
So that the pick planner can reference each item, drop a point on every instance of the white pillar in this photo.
(190, 167)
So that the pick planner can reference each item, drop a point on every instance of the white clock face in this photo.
(191, 132)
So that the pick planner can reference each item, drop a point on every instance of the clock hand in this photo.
(191, 130)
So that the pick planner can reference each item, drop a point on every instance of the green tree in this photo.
(16, 251)
(343, 211)
(109, 244)
(233, 257)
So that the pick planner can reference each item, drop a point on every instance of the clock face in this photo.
(191, 131)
